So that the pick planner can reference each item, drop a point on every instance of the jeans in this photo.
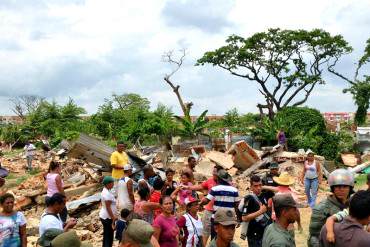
(29, 162)
(254, 242)
(108, 232)
(311, 186)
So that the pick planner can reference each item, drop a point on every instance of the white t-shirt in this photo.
(194, 234)
(50, 221)
(29, 150)
(106, 195)
(123, 196)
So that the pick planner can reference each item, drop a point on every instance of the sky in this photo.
(89, 49)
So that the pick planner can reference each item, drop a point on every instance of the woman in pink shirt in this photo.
(55, 184)
(165, 226)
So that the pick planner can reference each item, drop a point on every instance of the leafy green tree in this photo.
(359, 88)
(287, 64)
(189, 128)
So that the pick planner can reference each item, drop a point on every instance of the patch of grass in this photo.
(361, 180)
(13, 153)
(11, 176)
(35, 171)
(21, 180)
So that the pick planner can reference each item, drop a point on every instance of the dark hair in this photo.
(169, 170)
(57, 198)
(191, 158)
(147, 168)
(161, 200)
(53, 165)
(255, 179)
(143, 192)
(359, 204)
(121, 142)
(125, 213)
(6, 196)
(187, 174)
(278, 211)
(158, 183)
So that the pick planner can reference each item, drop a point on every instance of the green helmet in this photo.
(341, 177)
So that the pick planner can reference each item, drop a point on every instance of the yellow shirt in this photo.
(118, 159)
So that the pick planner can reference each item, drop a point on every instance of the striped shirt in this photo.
(224, 196)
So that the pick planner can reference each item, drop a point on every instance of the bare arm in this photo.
(157, 232)
(254, 215)
(23, 235)
(130, 191)
(319, 172)
(303, 173)
(197, 187)
(271, 188)
(58, 182)
(151, 206)
(109, 210)
(117, 167)
(330, 236)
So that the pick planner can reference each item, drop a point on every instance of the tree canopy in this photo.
(287, 64)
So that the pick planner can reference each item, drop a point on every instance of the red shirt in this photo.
(208, 185)
(155, 197)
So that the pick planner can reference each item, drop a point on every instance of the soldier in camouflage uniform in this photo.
(341, 183)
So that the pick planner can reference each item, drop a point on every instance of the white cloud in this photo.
(88, 49)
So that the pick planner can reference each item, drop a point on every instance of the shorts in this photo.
(206, 220)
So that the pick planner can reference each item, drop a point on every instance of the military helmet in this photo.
(341, 177)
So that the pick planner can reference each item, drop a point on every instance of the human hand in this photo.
(71, 223)
(330, 237)
(263, 208)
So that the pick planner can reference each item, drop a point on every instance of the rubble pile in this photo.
(86, 160)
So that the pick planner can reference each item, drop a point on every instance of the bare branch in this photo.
(331, 70)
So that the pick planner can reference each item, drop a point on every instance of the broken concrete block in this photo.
(244, 155)
(205, 167)
(222, 159)
(350, 159)
(22, 203)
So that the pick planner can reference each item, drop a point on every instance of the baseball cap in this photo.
(127, 167)
(222, 174)
(284, 200)
(225, 217)
(69, 239)
(107, 180)
(140, 231)
(189, 200)
(48, 236)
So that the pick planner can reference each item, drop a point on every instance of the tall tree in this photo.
(24, 105)
(168, 57)
(359, 88)
(287, 64)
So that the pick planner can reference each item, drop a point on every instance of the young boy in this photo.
(121, 224)
(170, 185)
(157, 194)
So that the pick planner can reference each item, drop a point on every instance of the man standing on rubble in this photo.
(118, 159)
(341, 182)
(224, 195)
(254, 213)
(29, 151)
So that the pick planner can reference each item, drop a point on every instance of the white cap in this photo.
(127, 167)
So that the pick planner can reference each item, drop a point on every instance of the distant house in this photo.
(338, 117)
(10, 120)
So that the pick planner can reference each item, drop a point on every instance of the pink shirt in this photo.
(52, 185)
(169, 230)
(207, 185)
(183, 194)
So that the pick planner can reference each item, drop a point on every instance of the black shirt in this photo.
(269, 181)
(255, 229)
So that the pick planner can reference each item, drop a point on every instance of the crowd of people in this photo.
(156, 211)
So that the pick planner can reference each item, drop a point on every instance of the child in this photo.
(157, 193)
(170, 185)
(121, 224)
(183, 193)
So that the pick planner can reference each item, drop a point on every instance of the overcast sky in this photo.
(89, 49)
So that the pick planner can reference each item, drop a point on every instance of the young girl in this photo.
(183, 193)
(170, 185)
